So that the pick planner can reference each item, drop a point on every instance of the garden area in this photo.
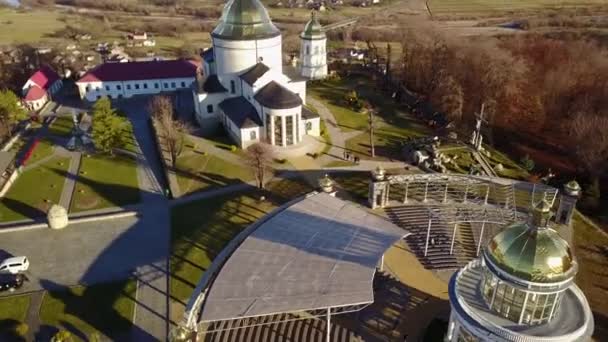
(105, 181)
(13, 311)
(347, 99)
(34, 191)
(198, 170)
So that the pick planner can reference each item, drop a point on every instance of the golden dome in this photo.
(533, 254)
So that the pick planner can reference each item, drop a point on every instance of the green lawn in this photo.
(197, 171)
(105, 181)
(591, 250)
(471, 7)
(43, 149)
(201, 229)
(105, 309)
(29, 26)
(62, 126)
(13, 310)
(130, 144)
(339, 163)
(34, 191)
(392, 123)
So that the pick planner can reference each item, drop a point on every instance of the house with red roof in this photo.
(123, 80)
(41, 87)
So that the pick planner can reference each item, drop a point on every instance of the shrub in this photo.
(280, 161)
(21, 329)
(527, 163)
(233, 148)
(62, 336)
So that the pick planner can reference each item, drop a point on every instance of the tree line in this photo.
(528, 84)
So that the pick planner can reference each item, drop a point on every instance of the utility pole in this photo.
(370, 111)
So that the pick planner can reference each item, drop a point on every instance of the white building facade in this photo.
(313, 55)
(124, 80)
(244, 88)
(40, 88)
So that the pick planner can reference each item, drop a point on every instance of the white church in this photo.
(243, 85)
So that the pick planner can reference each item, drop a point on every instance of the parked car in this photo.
(11, 282)
(14, 265)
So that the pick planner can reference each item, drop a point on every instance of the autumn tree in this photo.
(11, 113)
(259, 158)
(108, 129)
(171, 132)
(589, 133)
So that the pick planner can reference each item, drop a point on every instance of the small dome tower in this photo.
(313, 56)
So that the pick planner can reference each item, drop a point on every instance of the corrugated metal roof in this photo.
(320, 252)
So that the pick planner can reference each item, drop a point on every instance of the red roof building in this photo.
(136, 71)
(45, 77)
(34, 93)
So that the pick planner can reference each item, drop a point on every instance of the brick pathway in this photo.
(32, 318)
(70, 180)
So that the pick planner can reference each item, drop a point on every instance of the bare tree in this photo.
(590, 138)
(171, 131)
(259, 156)
(371, 125)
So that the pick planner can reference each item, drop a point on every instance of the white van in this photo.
(14, 265)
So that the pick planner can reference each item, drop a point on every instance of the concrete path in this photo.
(70, 180)
(32, 318)
(152, 308)
(338, 139)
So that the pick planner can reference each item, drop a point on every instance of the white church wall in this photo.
(92, 91)
(235, 56)
(311, 127)
(298, 87)
(249, 136)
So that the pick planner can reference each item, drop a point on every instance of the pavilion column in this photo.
(382, 263)
(426, 190)
(428, 235)
(466, 193)
(483, 225)
(294, 131)
(328, 330)
(445, 193)
(406, 188)
(453, 238)
(283, 131)
(485, 201)
(271, 137)
(523, 309)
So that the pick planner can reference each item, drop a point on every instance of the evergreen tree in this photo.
(10, 112)
(108, 127)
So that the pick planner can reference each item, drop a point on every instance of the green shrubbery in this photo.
(527, 163)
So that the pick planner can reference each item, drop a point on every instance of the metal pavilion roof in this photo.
(318, 253)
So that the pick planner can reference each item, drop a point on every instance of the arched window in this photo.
(252, 135)
(308, 126)
(307, 50)
(209, 108)
(316, 49)
(232, 87)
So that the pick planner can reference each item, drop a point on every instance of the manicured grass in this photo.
(105, 181)
(62, 126)
(392, 123)
(471, 7)
(13, 310)
(27, 26)
(197, 171)
(591, 250)
(201, 229)
(34, 191)
(325, 135)
(339, 163)
(43, 149)
(105, 309)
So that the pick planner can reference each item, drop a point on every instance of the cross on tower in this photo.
(476, 137)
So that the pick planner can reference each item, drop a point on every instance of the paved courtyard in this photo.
(84, 253)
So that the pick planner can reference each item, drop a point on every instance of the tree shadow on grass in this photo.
(8, 332)
(22, 208)
(95, 307)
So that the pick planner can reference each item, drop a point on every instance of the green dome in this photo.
(533, 254)
(245, 20)
(313, 29)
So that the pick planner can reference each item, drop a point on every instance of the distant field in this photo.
(27, 27)
(446, 7)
